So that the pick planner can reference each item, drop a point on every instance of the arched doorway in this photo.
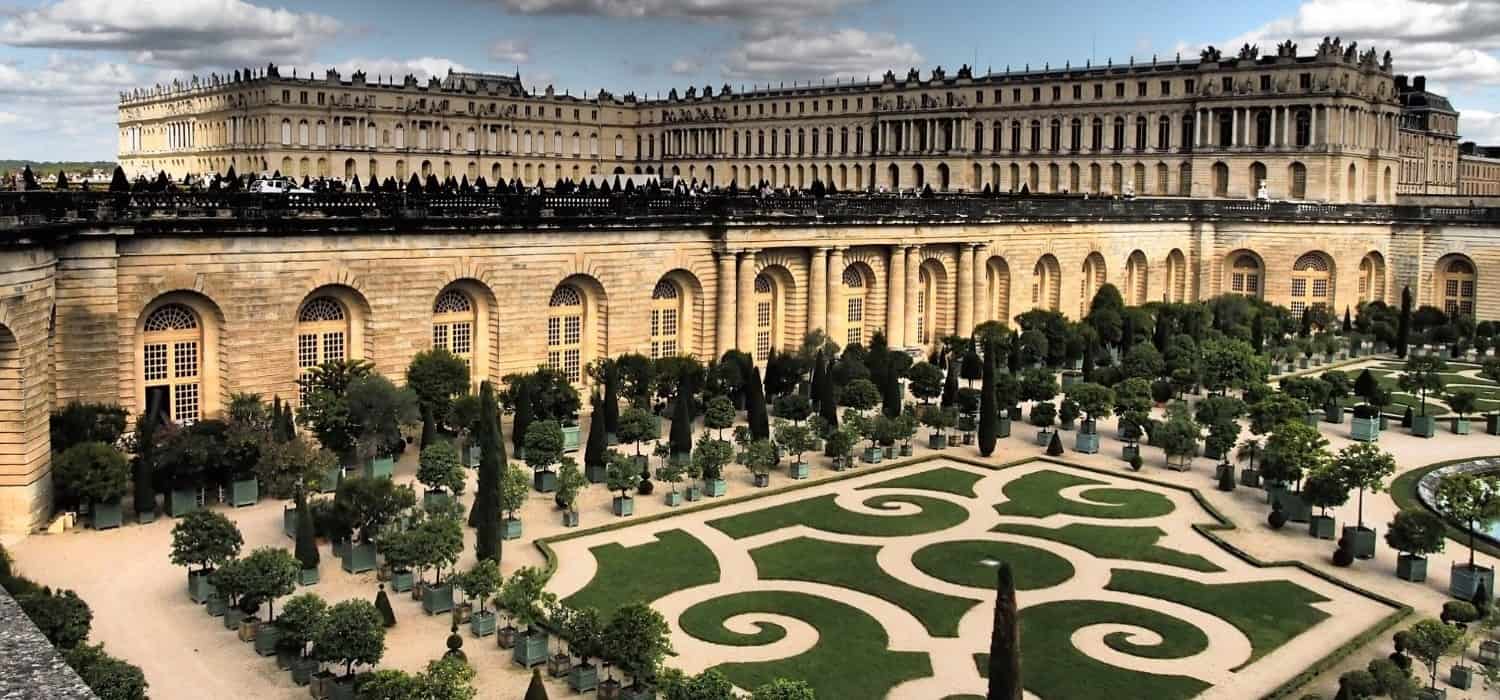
(1372, 277)
(997, 274)
(1312, 282)
(1046, 285)
(174, 361)
(1176, 276)
(1093, 278)
(1457, 283)
(1137, 272)
(857, 282)
(1245, 274)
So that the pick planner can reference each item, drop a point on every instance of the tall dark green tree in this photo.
(491, 464)
(307, 546)
(682, 420)
(119, 183)
(1013, 361)
(755, 406)
(989, 415)
(1403, 324)
(612, 398)
(1348, 325)
(817, 378)
(1305, 329)
(828, 406)
(145, 460)
(950, 383)
(598, 441)
(523, 415)
(1258, 333)
(1163, 331)
(1127, 332)
(1005, 640)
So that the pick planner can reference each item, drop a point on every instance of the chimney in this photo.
(1419, 83)
(1401, 83)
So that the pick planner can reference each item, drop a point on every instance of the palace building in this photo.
(1335, 125)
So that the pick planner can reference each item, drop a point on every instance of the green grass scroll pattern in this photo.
(675, 561)
(822, 513)
(1037, 495)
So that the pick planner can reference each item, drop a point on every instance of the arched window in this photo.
(565, 332)
(1244, 276)
(1257, 177)
(1221, 180)
(1312, 285)
(998, 274)
(1456, 280)
(1297, 179)
(666, 311)
(172, 345)
(1137, 272)
(1093, 279)
(286, 132)
(765, 317)
(453, 324)
(322, 334)
(926, 316)
(1046, 286)
(1372, 278)
(1176, 276)
(855, 291)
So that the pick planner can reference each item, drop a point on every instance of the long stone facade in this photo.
(1325, 126)
(188, 301)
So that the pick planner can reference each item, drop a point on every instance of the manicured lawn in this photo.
(962, 562)
(943, 479)
(1036, 495)
(853, 566)
(1268, 612)
(674, 562)
(1054, 669)
(821, 513)
(1112, 542)
(850, 660)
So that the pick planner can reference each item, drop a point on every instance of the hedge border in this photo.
(1222, 523)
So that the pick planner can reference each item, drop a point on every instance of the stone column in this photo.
(836, 311)
(746, 312)
(726, 324)
(965, 290)
(913, 283)
(982, 311)
(817, 290)
(895, 307)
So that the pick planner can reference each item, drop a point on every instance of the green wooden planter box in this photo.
(1492, 423)
(307, 577)
(437, 599)
(331, 479)
(380, 467)
(180, 502)
(232, 618)
(1321, 527)
(510, 528)
(1311, 418)
(1129, 452)
(1411, 568)
(433, 497)
(760, 480)
(596, 473)
(570, 438)
(1461, 677)
(544, 481)
(471, 455)
(322, 683)
(1087, 443)
(1333, 413)
(107, 515)
(1070, 378)
(800, 471)
(285, 657)
(1364, 429)
(1423, 426)
(672, 498)
(1250, 476)
(266, 638)
(147, 517)
(1464, 580)
(1002, 426)
(1044, 437)
(623, 506)
(216, 605)
(570, 518)
(244, 493)
(303, 669)
(482, 624)
(1293, 505)
(715, 488)
(1460, 426)
(1362, 540)
(693, 493)
(1013, 413)
(289, 521)
(199, 589)
(936, 442)
(342, 689)
(359, 558)
(583, 678)
(872, 455)
(531, 649)
(402, 581)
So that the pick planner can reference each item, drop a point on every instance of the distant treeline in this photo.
(45, 168)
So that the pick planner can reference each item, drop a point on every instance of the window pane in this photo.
(185, 359)
(156, 361)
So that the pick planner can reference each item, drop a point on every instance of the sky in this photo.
(63, 63)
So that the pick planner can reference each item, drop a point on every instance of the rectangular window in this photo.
(1056, 93)
(1299, 288)
(1098, 91)
(1166, 88)
(440, 336)
(1237, 284)
(1188, 86)
(1265, 83)
(1140, 89)
(307, 350)
(572, 326)
(1119, 89)
(763, 345)
(185, 403)
(763, 314)
(1320, 289)
(1304, 81)
(333, 347)
(856, 310)
(185, 359)
(855, 336)
(156, 362)
(554, 332)
(463, 338)
(1036, 94)
(1077, 92)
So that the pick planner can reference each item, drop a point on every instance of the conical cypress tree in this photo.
(536, 691)
(1306, 325)
(429, 428)
(1348, 326)
(593, 450)
(891, 394)
(1403, 325)
(827, 406)
(1055, 448)
(1163, 327)
(612, 399)
(1005, 640)
(1127, 332)
(682, 420)
(119, 183)
(1088, 360)
(522, 419)
(62, 180)
(760, 427)
(288, 426)
(383, 604)
(145, 462)
(307, 547)
(989, 415)
(950, 384)
(486, 513)
(817, 380)
(1258, 334)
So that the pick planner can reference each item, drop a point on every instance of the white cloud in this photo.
(693, 9)
(188, 34)
(684, 66)
(510, 51)
(1480, 126)
(9, 117)
(784, 50)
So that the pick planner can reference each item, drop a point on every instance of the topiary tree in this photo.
(91, 473)
(544, 447)
(1005, 640)
(300, 619)
(525, 598)
(570, 481)
(1423, 375)
(1364, 467)
(439, 468)
(436, 376)
(1417, 532)
(1470, 499)
(636, 640)
(486, 512)
(637, 426)
(925, 381)
(351, 634)
(269, 573)
(205, 539)
(513, 489)
(1292, 452)
(718, 415)
(755, 406)
(860, 395)
(482, 581)
(1462, 401)
(1178, 435)
(1431, 641)
(1094, 400)
(795, 439)
(622, 474)
(1325, 489)
(710, 456)
(783, 689)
